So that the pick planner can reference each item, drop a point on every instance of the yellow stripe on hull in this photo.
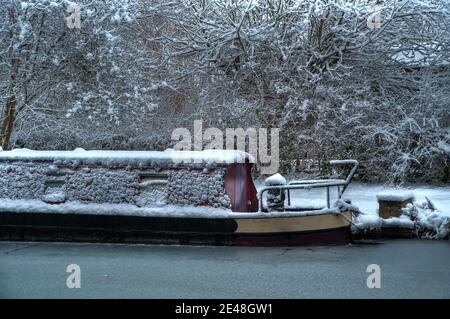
(293, 224)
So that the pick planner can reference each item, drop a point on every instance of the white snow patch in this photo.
(366, 222)
(276, 179)
(395, 196)
(127, 157)
(444, 146)
(38, 206)
(398, 222)
(54, 198)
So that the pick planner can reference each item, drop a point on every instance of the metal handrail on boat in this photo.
(315, 184)
(314, 181)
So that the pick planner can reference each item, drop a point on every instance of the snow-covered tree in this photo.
(52, 71)
(340, 78)
(335, 86)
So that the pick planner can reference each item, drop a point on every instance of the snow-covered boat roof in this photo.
(124, 158)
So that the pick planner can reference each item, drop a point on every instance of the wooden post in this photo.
(391, 205)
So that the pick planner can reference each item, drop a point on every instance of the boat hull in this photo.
(323, 229)
(315, 229)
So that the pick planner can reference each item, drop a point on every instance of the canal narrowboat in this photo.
(169, 197)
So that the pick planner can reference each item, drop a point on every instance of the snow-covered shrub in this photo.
(193, 187)
(22, 181)
(429, 223)
(98, 185)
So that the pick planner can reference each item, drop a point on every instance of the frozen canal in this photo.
(409, 269)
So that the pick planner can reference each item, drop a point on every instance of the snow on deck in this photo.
(124, 158)
(188, 211)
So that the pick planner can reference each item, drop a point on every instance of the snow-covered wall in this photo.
(115, 186)
(194, 187)
(99, 185)
(22, 181)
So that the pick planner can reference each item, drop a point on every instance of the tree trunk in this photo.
(9, 118)
(8, 123)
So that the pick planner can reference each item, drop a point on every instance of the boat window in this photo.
(55, 187)
(152, 189)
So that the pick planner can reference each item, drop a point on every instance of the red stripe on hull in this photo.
(337, 236)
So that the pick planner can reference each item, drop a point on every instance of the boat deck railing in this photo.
(341, 184)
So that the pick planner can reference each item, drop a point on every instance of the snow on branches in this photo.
(336, 83)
